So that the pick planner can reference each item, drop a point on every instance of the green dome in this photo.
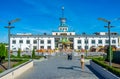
(64, 40)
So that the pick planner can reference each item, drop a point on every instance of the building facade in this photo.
(28, 41)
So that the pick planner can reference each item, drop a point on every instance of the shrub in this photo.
(6, 52)
(13, 56)
(26, 56)
(2, 53)
(38, 57)
(33, 53)
(111, 69)
(108, 53)
(20, 62)
(18, 53)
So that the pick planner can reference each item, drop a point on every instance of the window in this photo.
(27, 41)
(71, 39)
(60, 28)
(99, 41)
(49, 41)
(79, 41)
(113, 41)
(106, 41)
(65, 28)
(86, 41)
(49, 47)
(57, 39)
(63, 34)
(34, 41)
(34, 47)
(86, 47)
(13, 48)
(42, 41)
(56, 33)
(79, 47)
(21, 41)
(13, 41)
(42, 47)
(93, 41)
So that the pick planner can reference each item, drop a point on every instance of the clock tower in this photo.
(63, 27)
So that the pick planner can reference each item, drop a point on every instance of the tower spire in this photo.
(63, 26)
(62, 11)
(62, 18)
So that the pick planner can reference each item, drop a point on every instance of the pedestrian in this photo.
(82, 60)
(68, 56)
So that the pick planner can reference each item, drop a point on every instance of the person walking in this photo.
(82, 61)
(69, 56)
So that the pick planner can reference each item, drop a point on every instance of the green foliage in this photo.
(3, 43)
(13, 56)
(18, 53)
(3, 50)
(111, 69)
(38, 57)
(1, 71)
(20, 62)
(33, 53)
(116, 57)
(97, 57)
(6, 52)
(26, 56)
(108, 53)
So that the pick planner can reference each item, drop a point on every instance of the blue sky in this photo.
(40, 16)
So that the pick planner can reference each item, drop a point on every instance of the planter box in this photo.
(102, 71)
(17, 71)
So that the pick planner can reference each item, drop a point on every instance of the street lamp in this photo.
(30, 52)
(10, 27)
(109, 22)
(86, 41)
(38, 44)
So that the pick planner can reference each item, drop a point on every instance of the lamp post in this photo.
(10, 27)
(38, 44)
(30, 50)
(86, 41)
(109, 22)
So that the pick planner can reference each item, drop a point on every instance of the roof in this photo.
(57, 36)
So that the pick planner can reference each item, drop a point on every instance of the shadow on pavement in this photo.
(75, 68)
(65, 68)
(96, 73)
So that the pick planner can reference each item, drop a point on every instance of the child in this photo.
(82, 61)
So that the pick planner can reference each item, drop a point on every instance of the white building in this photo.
(27, 41)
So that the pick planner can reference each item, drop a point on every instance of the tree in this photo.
(2, 52)
(6, 52)
(18, 53)
(108, 54)
(33, 53)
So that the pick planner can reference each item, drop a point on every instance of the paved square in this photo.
(59, 67)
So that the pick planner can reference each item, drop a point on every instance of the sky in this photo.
(42, 16)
